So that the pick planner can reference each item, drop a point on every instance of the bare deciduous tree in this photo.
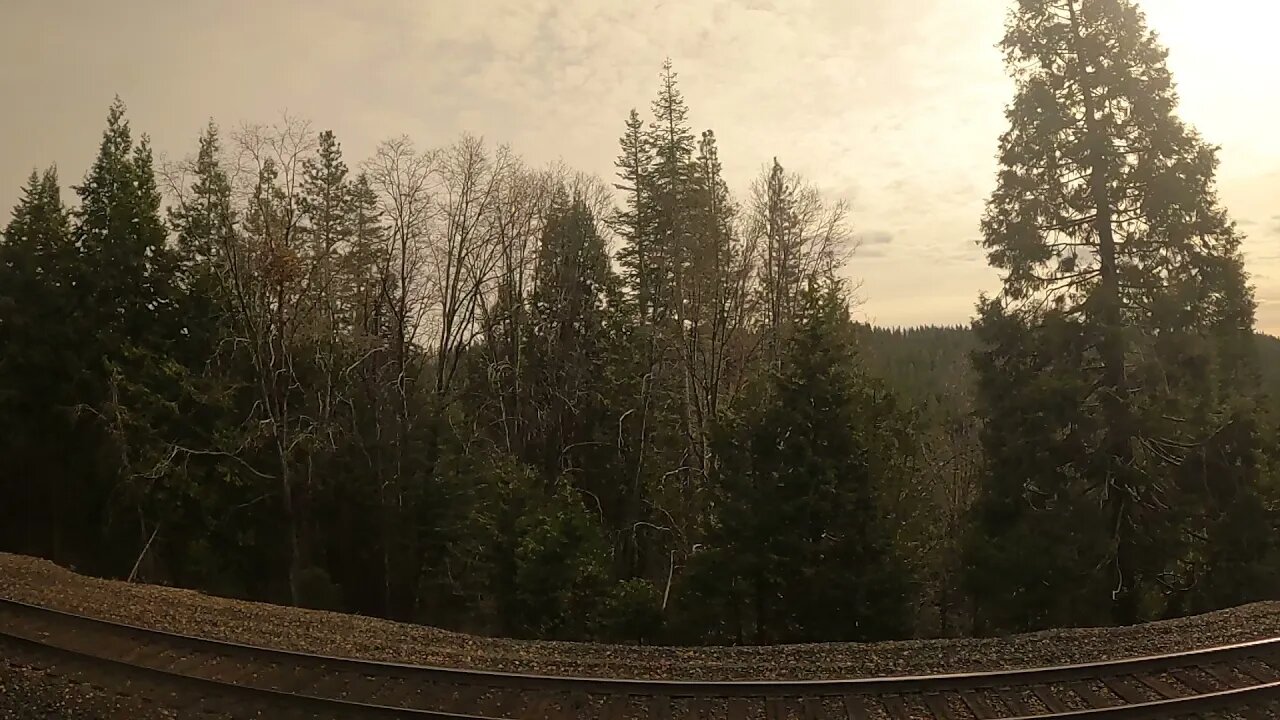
(269, 278)
(463, 255)
(801, 237)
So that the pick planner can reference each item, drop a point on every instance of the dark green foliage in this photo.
(799, 534)
(1118, 359)
(568, 345)
(560, 567)
(38, 368)
(515, 554)
(1269, 365)
(100, 320)
(418, 387)
(929, 368)
(1030, 504)
(631, 613)
(644, 265)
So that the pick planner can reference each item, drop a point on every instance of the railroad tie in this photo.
(978, 705)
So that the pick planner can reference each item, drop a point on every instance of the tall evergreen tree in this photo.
(781, 272)
(637, 257)
(363, 263)
(1114, 353)
(37, 368)
(325, 201)
(204, 226)
(123, 239)
(716, 305)
(656, 168)
(569, 340)
(131, 282)
(802, 548)
(672, 143)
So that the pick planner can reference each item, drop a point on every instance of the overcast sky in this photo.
(895, 106)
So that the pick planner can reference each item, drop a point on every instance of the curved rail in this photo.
(854, 692)
(246, 692)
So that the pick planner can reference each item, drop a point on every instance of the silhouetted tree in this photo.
(1119, 346)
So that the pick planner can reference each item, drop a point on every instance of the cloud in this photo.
(973, 255)
(851, 95)
(874, 237)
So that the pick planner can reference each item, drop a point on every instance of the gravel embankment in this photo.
(31, 693)
(184, 611)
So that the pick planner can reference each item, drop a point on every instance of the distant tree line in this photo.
(444, 386)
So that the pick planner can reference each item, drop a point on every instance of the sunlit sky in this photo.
(895, 106)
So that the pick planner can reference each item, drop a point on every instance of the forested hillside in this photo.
(1269, 362)
(931, 366)
(926, 366)
(442, 385)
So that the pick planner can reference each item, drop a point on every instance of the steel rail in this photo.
(248, 693)
(692, 688)
(897, 685)
(1173, 707)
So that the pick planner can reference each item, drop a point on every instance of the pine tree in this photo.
(780, 270)
(140, 387)
(123, 239)
(717, 302)
(36, 255)
(1110, 351)
(637, 257)
(325, 202)
(204, 219)
(656, 168)
(204, 226)
(362, 264)
(801, 539)
(568, 344)
(37, 371)
(671, 186)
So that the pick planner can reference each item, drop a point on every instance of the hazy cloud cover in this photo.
(895, 107)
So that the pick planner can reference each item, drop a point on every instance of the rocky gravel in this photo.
(185, 611)
(28, 692)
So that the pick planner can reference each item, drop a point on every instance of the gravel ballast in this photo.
(29, 692)
(41, 582)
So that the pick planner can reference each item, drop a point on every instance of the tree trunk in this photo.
(1119, 430)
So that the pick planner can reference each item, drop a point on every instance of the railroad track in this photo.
(228, 678)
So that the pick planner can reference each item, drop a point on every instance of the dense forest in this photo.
(441, 385)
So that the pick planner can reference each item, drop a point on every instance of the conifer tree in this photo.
(325, 201)
(204, 226)
(572, 404)
(636, 257)
(130, 282)
(1114, 352)
(717, 302)
(37, 371)
(801, 546)
(363, 263)
(123, 239)
(672, 144)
